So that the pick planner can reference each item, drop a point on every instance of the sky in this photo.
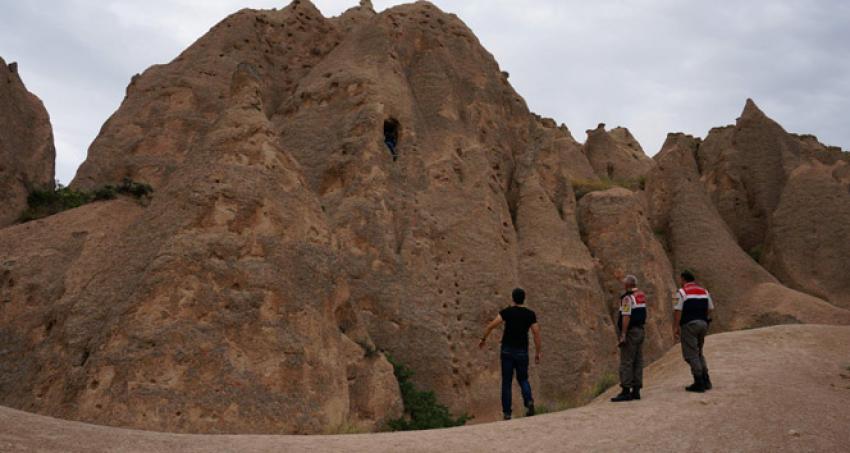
(654, 66)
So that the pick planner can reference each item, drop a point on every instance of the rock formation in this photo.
(26, 144)
(285, 251)
(808, 243)
(753, 168)
(221, 307)
(616, 228)
(745, 168)
(333, 191)
(746, 294)
(616, 155)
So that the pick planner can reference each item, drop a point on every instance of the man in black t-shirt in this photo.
(518, 321)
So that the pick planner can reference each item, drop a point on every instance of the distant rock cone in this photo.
(747, 295)
(751, 170)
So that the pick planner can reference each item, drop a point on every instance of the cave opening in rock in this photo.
(392, 132)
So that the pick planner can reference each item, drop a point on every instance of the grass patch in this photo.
(582, 187)
(605, 382)
(421, 409)
(44, 203)
(345, 428)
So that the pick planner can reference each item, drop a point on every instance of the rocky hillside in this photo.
(288, 250)
(26, 144)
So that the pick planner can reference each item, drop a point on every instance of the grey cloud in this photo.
(651, 65)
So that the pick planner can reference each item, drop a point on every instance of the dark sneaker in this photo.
(625, 395)
(507, 417)
(529, 410)
(636, 393)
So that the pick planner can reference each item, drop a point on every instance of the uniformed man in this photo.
(631, 334)
(692, 315)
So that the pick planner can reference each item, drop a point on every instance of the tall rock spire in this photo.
(27, 153)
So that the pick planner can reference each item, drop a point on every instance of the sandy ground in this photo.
(776, 389)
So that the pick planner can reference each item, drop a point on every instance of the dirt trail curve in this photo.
(776, 389)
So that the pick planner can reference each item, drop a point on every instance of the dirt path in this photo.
(777, 389)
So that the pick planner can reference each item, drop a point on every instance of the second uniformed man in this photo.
(692, 314)
(631, 335)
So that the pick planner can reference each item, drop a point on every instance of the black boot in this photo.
(529, 409)
(625, 395)
(635, 393)
(706, 380)
(698, 386)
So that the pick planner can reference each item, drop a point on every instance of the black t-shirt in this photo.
(517, 322)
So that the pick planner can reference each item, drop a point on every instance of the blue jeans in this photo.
(514, 360)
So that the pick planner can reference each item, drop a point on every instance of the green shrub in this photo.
(105, 193)
(421, 409)
(44, 203)
(135, 189)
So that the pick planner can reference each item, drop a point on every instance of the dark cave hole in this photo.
(392, 132)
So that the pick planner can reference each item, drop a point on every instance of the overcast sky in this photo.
(654, 66)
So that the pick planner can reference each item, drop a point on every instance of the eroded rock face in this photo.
(745, 294)
(753, 168)
(745, 168)
(618, 233)
(26, 144)
(286, 251)
(616, 155)
(808, 244)
(221, 307)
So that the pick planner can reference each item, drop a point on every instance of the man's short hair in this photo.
(631, 281)
(688, 276)
(519, 296)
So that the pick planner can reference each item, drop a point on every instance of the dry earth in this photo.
(782, 388)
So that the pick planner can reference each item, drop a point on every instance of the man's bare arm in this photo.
(677, 316)
(626, 320)
(538, 344)
(493, 324)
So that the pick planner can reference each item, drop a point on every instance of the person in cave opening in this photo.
(391, 133)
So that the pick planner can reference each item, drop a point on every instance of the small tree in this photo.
(421, 409)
